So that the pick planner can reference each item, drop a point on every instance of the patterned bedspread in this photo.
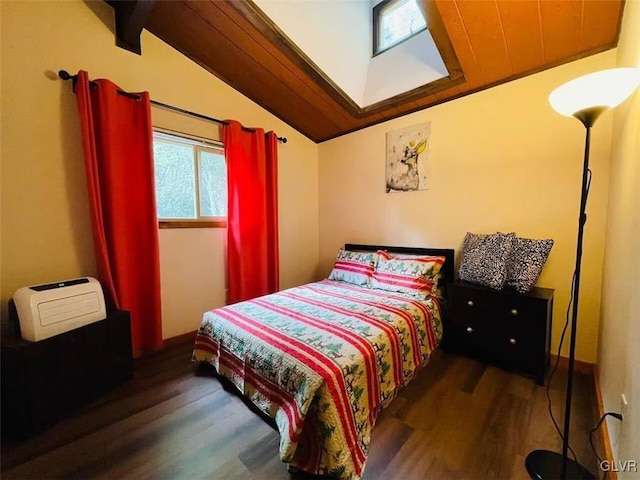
(322, 359)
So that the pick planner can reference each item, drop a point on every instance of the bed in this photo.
(323, 359)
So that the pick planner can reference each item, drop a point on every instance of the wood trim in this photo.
(167, 344)
(139, 353)
(179, 340)
(480, 88)
(232, 33)
(270, 30)
(623, 4)
(606, 440)
(578, 365)
(201, 30)
(192, 224)
(402, 99)
(442, 40)
(445, 47)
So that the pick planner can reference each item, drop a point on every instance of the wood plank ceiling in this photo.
(489, 41)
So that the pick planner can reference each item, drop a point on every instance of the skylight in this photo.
(394, 22)
(414, 60)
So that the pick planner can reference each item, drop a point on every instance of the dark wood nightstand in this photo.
(42, 382)
(502, 327)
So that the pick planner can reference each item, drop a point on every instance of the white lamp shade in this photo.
(606, 88)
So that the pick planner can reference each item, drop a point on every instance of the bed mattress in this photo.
(322, 360)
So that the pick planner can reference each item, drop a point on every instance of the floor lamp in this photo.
(584, 98)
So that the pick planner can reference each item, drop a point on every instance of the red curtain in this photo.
(252, 234)
(118, 151)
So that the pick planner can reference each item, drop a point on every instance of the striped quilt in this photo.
(322, 359)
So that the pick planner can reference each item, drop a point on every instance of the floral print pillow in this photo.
(353, 267)
(526, 261)
(484, 259)
(417, 276)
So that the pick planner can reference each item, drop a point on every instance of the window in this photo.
(191, 182)
(395, 21)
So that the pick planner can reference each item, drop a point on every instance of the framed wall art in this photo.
(408, 159)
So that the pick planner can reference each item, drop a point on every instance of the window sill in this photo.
(193, 224)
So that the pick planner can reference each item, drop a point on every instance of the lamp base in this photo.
(546, 465)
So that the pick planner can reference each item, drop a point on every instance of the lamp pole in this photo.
(587, 121)
(543, 464)
(584, 98)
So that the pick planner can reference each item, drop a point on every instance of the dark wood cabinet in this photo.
(44, 381)
(504, 327)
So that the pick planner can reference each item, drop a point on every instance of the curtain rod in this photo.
(64, 75)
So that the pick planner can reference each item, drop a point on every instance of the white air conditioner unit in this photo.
(54, 308)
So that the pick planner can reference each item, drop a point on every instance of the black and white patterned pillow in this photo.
(484, 258)
(526, 261)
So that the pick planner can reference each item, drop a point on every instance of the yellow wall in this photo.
(619, 355)
(501, 160)
(45, 232)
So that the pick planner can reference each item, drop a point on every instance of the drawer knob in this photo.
(469, 330)
(512, 341)
(470, 303)
(514, 312)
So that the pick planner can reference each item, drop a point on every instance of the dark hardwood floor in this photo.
(459, 419)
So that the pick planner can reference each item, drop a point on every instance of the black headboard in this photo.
(447, 273)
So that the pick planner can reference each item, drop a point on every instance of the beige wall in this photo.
(619, 355)
(501, 159)
(46, 233)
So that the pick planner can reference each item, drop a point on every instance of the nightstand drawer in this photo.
(490, 341)
(500, 306)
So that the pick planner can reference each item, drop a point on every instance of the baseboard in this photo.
(578, 365)
(167, 343)
(179, 340)
(606, 440)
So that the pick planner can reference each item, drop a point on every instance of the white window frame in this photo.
(199, 145)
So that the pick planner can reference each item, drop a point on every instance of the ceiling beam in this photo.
(130, 16)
